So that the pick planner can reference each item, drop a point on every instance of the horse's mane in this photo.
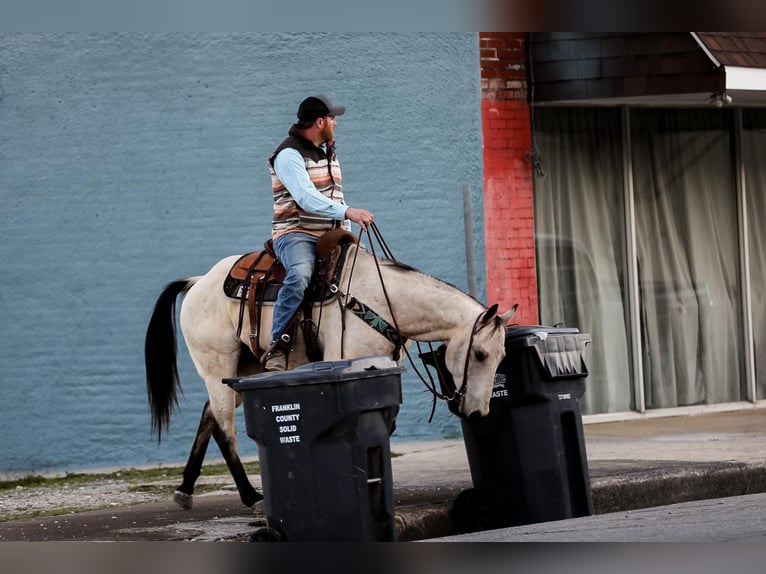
(404, 267)
(395, 263)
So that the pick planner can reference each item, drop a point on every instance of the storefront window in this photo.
(690, 323)
(687, 250)
(753, 156)
(580, 243)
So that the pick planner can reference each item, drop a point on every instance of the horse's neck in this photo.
(424, 308)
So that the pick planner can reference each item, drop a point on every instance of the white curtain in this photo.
(754, 158)
(580, 243)
(687, 249)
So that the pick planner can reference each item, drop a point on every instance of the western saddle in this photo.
(256, 277)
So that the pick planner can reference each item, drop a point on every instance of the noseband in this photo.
(460, 393)
(452, 394)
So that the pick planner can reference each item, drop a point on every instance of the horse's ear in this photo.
(508, 315)
(491, 312)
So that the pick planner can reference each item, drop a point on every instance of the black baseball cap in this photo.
(315, 107)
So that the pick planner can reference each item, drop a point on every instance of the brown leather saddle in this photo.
(255, 268)
(256, 277)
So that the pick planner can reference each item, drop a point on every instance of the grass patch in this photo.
(129, 475)
(45, 513)
(159, 481)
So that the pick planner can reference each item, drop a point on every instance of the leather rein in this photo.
(348, 302)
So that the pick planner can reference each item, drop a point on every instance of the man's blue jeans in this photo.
(297, 252)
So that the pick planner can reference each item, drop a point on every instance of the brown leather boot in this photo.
(276, 360)
(276, 357)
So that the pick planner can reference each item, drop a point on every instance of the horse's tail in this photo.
(160, 348)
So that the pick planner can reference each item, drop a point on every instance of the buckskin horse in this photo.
(409, 303)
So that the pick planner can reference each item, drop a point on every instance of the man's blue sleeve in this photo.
(291, 170)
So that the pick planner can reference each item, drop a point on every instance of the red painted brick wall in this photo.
(508, 197)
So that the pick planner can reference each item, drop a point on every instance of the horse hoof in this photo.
(259, 507)
(252, 498)
(266, 534)
(185, 501)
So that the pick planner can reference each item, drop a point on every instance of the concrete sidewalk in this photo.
(633, 464)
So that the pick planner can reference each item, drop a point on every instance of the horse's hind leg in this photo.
(227, 442)
(208, 323)
(184, 493)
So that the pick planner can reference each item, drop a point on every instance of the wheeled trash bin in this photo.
(322, 432)
(527, 456)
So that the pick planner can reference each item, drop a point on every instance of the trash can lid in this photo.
(319, 372)
(533, 335)
(560, 350)
(540, 331)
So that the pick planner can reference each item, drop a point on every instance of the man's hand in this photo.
(360, 216)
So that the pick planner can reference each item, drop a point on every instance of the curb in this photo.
(422, 523)
(679, 482)
(667, 483)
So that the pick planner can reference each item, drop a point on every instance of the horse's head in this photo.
(472, 357)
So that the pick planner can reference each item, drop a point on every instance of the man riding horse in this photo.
(308, 201)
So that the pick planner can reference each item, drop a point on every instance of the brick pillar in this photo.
(508, 199)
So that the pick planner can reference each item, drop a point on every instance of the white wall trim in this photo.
(739, 78)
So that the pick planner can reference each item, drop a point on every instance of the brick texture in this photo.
(508, 194)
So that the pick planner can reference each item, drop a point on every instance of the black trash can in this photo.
(323, 445)
(527, 456)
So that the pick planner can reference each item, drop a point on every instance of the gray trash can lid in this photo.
(539, 331)
(559, 349)
(320, 372)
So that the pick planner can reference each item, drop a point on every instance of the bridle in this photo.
(455, 393)
(347, 301)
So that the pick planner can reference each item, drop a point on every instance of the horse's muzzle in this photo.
(473, 417)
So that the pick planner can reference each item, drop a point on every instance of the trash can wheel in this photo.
(474, 510)
(267, 534)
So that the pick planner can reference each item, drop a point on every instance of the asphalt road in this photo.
(740, 519)
(724, 535)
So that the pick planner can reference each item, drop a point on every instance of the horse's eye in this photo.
(480, 355)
